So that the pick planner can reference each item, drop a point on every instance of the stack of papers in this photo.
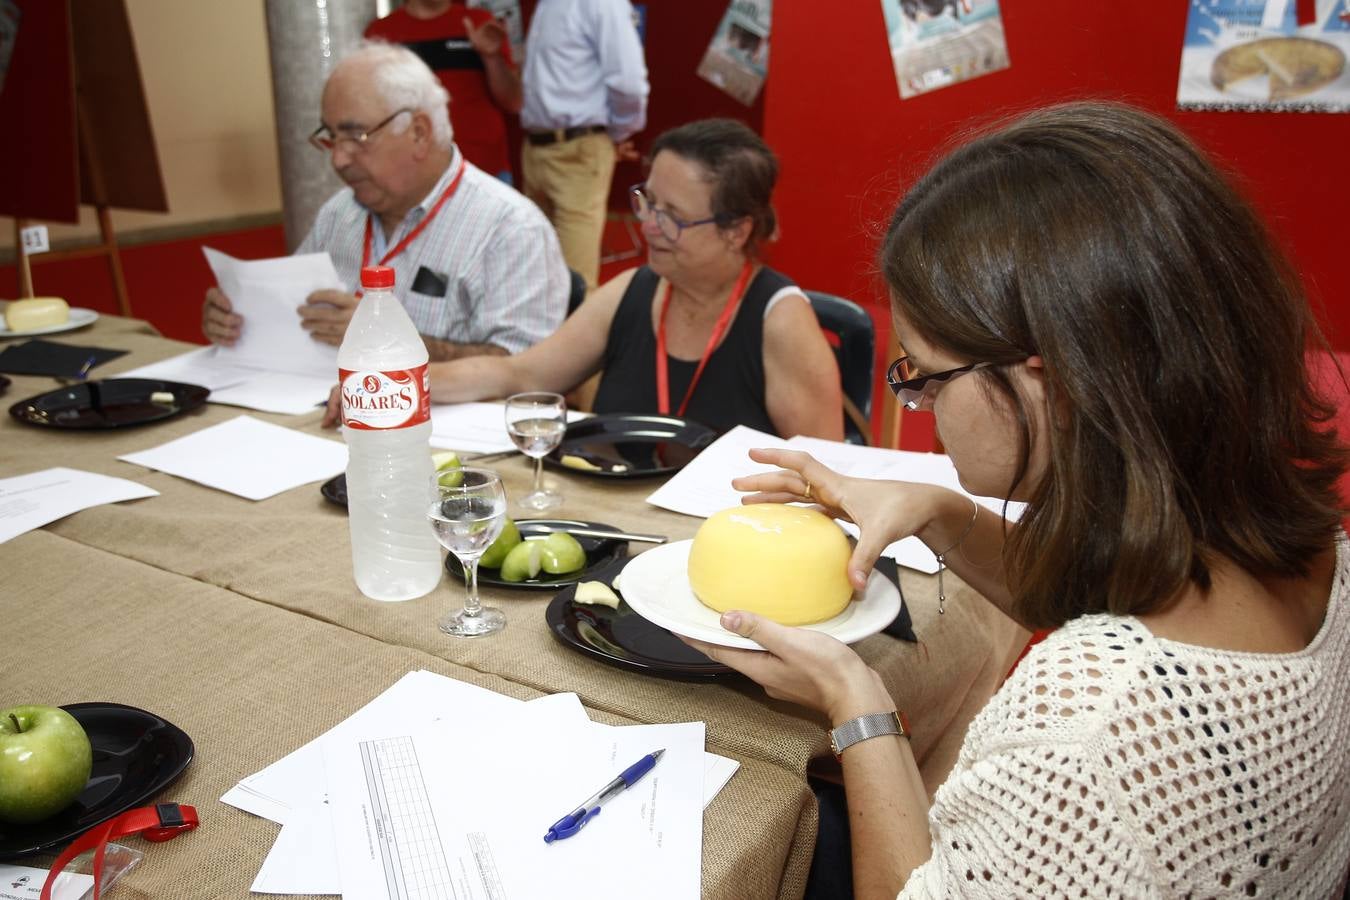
(275, 366)
(31, 501)
(248, 457)
(454, 786)
(704, 486)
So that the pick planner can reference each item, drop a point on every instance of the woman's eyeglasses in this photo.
(670, 225)
(914, 390)
(326, 139)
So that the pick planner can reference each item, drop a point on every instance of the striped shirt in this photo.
(505, 281)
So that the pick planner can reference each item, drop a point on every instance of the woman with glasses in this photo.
(1104, 331)
(704, 330)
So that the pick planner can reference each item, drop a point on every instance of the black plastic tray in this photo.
(108, 403)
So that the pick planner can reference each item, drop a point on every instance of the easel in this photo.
(81, 51)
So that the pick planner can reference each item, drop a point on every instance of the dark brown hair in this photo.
(741, 167)
(1184, 427)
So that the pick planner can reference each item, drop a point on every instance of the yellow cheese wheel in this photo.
(36, 312)
(786, 563)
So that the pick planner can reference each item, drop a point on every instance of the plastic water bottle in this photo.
(386, 414)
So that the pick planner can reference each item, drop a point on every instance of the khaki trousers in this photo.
(570, 181)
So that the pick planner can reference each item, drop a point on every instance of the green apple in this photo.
(449, 470)
(560, 553)
(492, 557)
(45, 760)
(521, 562)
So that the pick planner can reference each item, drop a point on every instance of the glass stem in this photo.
(472, 607)
(538, 474)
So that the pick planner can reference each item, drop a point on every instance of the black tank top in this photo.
(731, 390)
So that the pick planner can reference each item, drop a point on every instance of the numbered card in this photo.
(34, 239)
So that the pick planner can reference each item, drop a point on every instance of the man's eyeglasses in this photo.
(913, 389)
(670, 225)
(325, 139)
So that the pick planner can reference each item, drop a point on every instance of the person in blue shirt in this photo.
(585, 86)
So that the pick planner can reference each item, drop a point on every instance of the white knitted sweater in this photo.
(1114, 763)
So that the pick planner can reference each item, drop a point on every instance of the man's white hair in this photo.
(404, 81)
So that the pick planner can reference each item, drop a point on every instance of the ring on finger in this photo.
(807, 492)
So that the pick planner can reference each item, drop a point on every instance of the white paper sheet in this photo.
(33, 500)
(235, 385)
(303, 859)
(279, 392)
(25, 883)
(247, 457)
(201, 366)
(463, 808)
(475, 427)
(704, 486)
(268, 293)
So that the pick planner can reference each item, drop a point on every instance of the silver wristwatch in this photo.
(869, 726)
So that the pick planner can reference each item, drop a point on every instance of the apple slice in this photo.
(596, 593)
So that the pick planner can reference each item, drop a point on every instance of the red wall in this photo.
(849, 144)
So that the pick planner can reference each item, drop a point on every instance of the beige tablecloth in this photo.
(213, 574)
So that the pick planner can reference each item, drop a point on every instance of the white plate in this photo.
(656, 586)
(79, 317)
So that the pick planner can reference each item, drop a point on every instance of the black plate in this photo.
(136, 755)
(631, 446)
(108, 403)
(600, 552)
(334, 490)
(622, 638)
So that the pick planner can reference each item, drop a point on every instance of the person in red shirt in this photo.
(469, 52)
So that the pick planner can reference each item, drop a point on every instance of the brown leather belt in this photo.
(559, 135)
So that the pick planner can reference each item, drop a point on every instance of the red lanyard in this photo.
(663, 361)
(408, 238)
(160, 822)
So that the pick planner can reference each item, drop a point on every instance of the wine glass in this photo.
(467, 514)
(536, 422)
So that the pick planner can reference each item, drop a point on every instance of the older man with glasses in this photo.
(479, 268)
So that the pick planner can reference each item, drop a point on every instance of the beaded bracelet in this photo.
(942, 557)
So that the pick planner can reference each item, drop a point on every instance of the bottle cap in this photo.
(377, 277)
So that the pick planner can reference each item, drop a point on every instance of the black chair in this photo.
(577, 293)
(857, 342)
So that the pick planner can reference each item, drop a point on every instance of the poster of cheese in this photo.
(936, 43)
(1271, 55)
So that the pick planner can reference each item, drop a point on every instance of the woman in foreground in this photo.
(1103, 330)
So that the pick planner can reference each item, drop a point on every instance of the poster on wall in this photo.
(508, 12)
(737, 59)
(1266, 55)
(936, 43)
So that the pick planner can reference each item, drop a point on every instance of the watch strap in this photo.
(868, 726)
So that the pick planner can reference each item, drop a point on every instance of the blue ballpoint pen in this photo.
(571, 823)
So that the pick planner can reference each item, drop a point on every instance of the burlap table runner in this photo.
(250, 682)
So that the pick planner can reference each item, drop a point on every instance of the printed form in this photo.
(441, 813)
